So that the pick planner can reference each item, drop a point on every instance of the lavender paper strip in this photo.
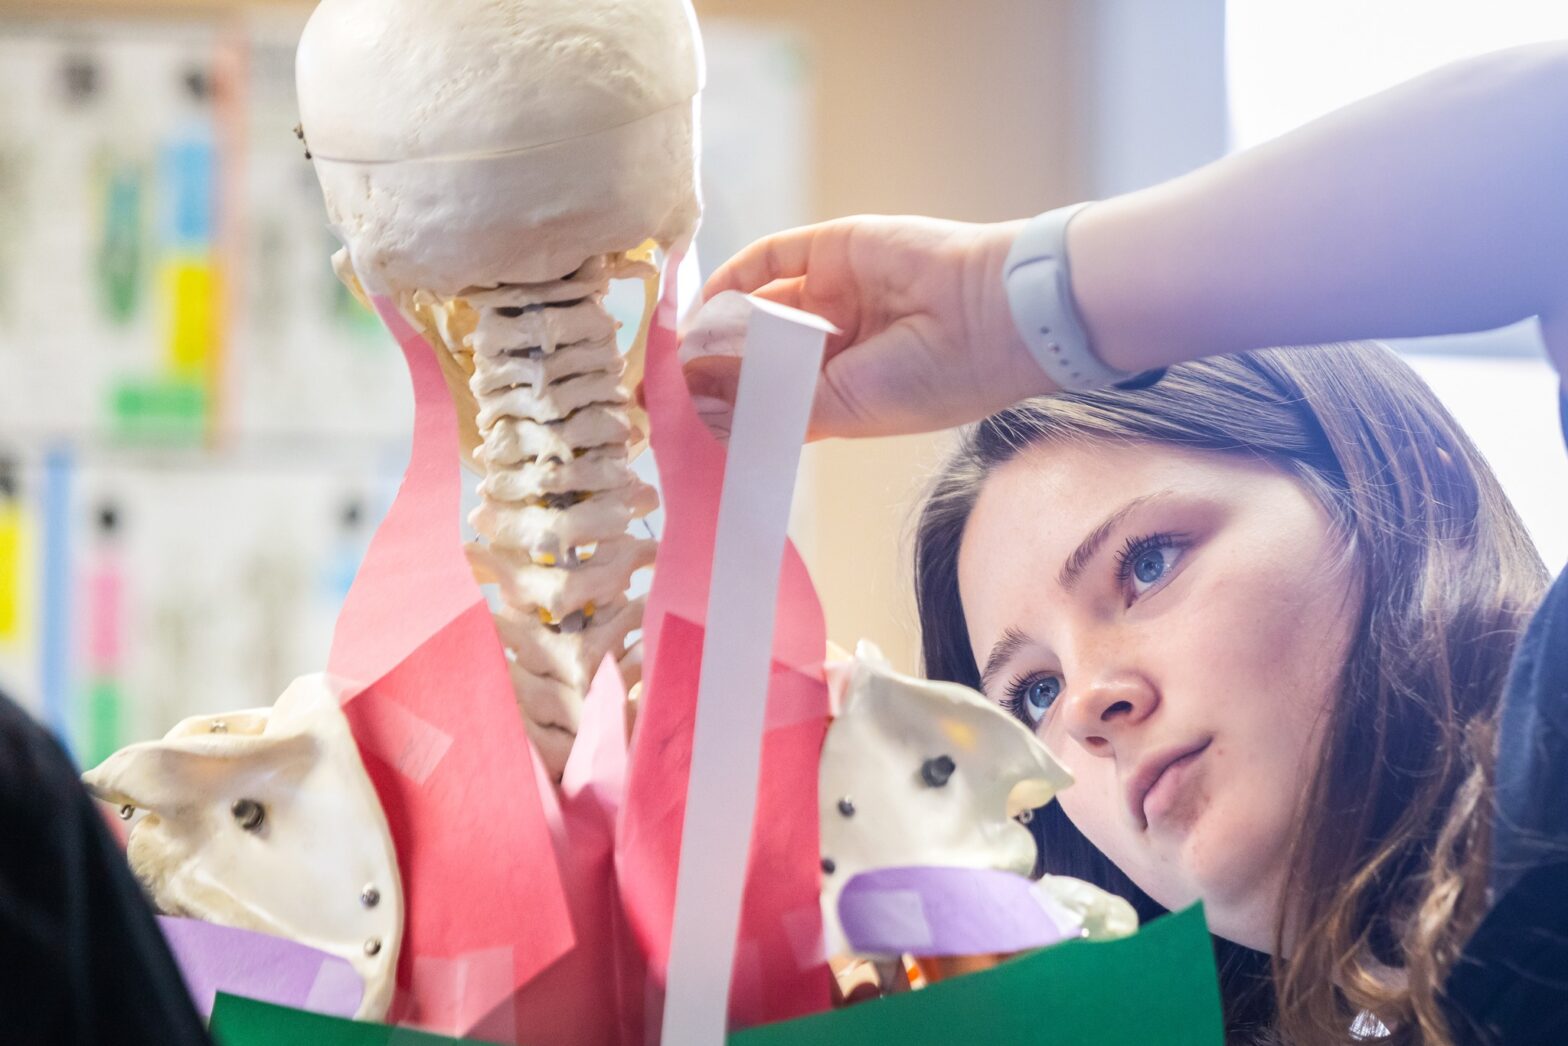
(259, 966)
(945, 911)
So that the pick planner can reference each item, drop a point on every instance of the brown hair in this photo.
(1387, 876)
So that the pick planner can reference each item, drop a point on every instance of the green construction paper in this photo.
(1157, 986)
(238, 1021)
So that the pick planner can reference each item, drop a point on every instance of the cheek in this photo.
(1093, 801)
(1257, 654)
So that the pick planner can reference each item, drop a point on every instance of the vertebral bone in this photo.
(554, 521)
(491, 168)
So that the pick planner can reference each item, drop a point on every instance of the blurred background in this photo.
(199, 429)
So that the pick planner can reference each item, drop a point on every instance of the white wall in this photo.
(1290, 61)
(1156, 98)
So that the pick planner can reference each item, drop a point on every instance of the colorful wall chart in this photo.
(198, 428)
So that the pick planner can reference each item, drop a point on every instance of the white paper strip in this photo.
(772, 407)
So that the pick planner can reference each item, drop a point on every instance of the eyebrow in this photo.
(1011, 642)
(1014, 640)
(1073, 569)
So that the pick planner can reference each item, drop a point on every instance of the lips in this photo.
(1149, 772)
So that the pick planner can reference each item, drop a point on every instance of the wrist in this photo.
(1177, 272)
(1037, 276)
(1118, 289)
(1018, 370)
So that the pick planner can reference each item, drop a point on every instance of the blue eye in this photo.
(1149, 567)
(1145, 562)
(1029, 698)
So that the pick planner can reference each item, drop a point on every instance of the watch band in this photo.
(1039, 293)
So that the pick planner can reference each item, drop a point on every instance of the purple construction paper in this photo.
(933, 911)
(259, 966)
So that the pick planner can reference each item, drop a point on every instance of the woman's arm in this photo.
(1436, 207)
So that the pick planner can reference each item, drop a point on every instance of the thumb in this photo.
(713, 382)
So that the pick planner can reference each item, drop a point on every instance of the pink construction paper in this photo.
(430, 701)
(215, 958)
(779, 972)
(595, 774)
(575, 1002)
(691, 476)
(414, 580)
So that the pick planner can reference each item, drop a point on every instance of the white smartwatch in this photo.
(1040, 294)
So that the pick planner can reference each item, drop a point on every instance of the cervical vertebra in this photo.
(491, 169)
(558, 491)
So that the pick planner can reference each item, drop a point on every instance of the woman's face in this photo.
(1173, 624)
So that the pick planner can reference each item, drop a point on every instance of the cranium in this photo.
(490, 166)
(266, 820)
(483, 143)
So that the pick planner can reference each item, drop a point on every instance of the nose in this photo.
(1101, 711)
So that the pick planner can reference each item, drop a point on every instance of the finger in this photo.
(794, 293)
(886, 386)
(713, 382)
(713, 377)
(860, 393)
(778, 257)
(791, 292)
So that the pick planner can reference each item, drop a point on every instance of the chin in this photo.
(1240, 903)
(1174, 896)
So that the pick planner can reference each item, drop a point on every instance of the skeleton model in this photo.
(491, 170)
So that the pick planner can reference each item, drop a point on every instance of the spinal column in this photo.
(491, 165)
(558, 492)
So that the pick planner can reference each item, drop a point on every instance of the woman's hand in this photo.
(928, 339)
(1381, 220)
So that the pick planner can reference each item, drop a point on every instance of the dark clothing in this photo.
(1511, 984)
(1510, 987)
(81, 959)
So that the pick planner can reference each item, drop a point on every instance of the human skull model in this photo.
(266, 820)
(490, 166)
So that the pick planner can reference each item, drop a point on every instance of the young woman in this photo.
(1264, 612)
(1265, 607)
